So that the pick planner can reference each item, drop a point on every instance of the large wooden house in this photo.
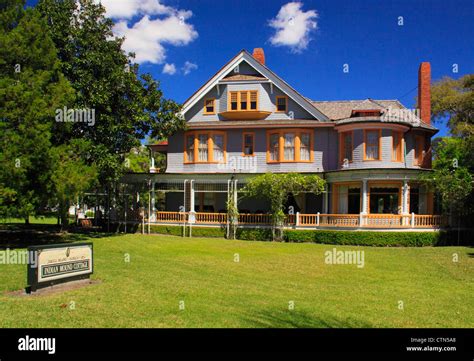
(246, 120)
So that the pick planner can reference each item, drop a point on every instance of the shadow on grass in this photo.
(21, 236)
(300, 319)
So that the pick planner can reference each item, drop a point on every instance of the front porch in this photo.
(378, 200)
(303, 221)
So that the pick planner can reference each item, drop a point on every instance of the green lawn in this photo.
(254, 292)
(33, 220)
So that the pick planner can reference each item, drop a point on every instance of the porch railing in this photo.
(258, 218)
(339, 220)
(386, 220)
(313, 220)
(211, 217)
(171, 216)
(426, 220)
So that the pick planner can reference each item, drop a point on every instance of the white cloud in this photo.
(126, 9)
(158, 26)
(293, 26)
(169, 69)
(188, 67)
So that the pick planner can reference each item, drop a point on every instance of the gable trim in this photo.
(262, 69)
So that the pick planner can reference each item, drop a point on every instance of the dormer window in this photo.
(209, 106)
(366, 113)
(243, 100)
(281, 104)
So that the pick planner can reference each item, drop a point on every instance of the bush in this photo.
(178, 231)
(254, 234)
(392, 239)
(360, 238)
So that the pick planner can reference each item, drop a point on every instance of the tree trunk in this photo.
(64, 210)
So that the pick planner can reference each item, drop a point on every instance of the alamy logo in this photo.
(28, 343)
(345, 257)
(239, 164)
(12, 256)
(84, 115)
(411, 116)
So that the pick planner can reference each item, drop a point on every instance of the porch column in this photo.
(192, 213)
(405, 194)
(364, 196)
(235, 194)
(153, 207)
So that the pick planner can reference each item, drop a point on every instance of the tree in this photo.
(127, 107)
(276, 188)
(451, 178)
(455, 99)
(71, 175)
(453, 163)
(31, 88)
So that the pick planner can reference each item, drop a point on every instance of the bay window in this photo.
(274, 147)
(372, 144)
(345, 146)
(397, 146)
(305, 144)
(218, 143)
(205, 147)
(190, 147)
(289, 146)
(292, 145)
(202, 147)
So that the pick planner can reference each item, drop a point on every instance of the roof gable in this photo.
(262, 74)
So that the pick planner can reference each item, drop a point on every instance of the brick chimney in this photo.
(424, 92)
(259, 55)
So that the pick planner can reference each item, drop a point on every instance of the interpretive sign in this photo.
(59, 263)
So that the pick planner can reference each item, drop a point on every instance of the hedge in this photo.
(196, 231)
(362, 238)
(254, 234)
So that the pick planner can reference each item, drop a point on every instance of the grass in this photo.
(254, 292)
(33, 220)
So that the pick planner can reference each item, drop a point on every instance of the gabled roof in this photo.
(369, 104)
(242, 56)
(240, 77)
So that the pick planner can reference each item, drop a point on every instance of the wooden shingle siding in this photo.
(325, 153)
(266, 102)
(386, 160)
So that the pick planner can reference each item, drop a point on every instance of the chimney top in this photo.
(424, 92)
(259, 55)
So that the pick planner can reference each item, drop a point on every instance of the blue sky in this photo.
(383, 56)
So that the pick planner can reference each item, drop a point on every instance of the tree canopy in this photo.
(72, 104)
(277, 187)
(453, 164)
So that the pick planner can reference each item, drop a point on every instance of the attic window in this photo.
(209, 106)
(282, 103)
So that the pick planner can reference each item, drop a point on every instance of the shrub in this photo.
(178, 231)
(362, 238)
(254, 234)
